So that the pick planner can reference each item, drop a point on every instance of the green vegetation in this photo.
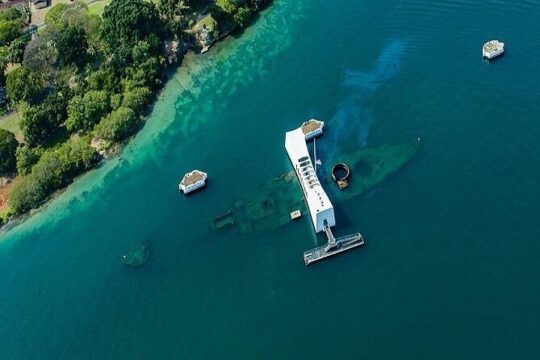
(72, 45)
(23, 84)
(97, 8)
(88, 77)
(42, 122)
(10, 123)
(8, 147)
(84, 111)
(55, 169)
(240, 11)
(26, 158)
(117, 125)
(137, 99)
(9, 30)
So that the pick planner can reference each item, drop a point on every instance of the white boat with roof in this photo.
(492, 49)
(312, 128)
(192, 181)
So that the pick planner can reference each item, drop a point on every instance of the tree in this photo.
(238, 10)
(142, 50)
(41, 122)
(40, 54)
(230, 6)
(2, 73)
(72, 46)
(172, 9)
(116, 101)
(242, 17)
(136, 99)
(9, 30)
(127, 21)
(10, 14)
(147, 74)
(55, 169)
(117, 125)
(86, 110)
(63, 15)
(55, 14)
(8, 148)
(25, 194)
(26, 157)
(16, 50)
(23, 84)
(103, 79)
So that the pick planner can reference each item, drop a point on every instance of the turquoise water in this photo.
(451, 256)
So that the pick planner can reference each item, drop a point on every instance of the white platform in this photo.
(320, 208)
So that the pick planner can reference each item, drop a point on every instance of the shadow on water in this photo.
(353, 117)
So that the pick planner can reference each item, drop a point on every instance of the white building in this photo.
(320, 208)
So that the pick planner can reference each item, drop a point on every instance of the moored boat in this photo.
(492, 49)
(312, 128)
(192, 181)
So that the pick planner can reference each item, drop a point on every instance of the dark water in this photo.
(451, 257)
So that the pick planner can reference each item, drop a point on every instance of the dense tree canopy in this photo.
(39, 54)
(26, 157)
(84, 111)
(103, 79)
(128, 21)
(239, 11)
(172, 9)
(75, 15)
(41, 122)
(9, 30)
(117, 125)
(23, 84)
(137, 99)
(15, 50)
(10, 14)
(72, 46)
(55, 169)
(8, 148)
(55, 15)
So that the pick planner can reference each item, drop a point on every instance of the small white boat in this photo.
(192, 181)
(492, 49)
(312, 128)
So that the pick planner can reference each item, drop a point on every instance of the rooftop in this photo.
(192, 177)
(311, 125)
(493, 45)
(296, 147)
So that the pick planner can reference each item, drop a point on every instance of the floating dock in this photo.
(333, 247)
(319, 206)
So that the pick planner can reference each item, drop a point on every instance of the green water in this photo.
(451, 257)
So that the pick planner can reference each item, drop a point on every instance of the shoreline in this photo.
(190, 76)
(9, 221)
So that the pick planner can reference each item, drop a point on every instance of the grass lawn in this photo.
(98, 7)
(10, 122)
(208, 20)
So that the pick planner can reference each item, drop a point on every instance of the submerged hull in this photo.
(270, 206)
